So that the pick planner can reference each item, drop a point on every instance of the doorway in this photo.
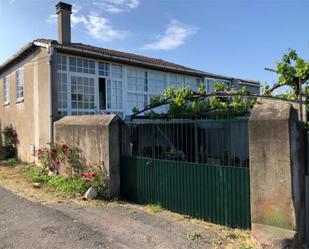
(102, 93)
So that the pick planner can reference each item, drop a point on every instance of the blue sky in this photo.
(230, 37)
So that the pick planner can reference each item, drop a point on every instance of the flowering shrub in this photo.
(51, 157)
(55, 156)
(74, 160)
(10, 142)
(96, 177)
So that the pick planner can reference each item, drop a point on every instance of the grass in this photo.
(12, 162)
(66, 185)
(154, 208)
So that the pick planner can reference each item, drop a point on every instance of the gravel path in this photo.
(25, 224)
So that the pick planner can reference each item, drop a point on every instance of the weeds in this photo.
(154, 208)
(12, 162)
(67, 185)
(194, 236)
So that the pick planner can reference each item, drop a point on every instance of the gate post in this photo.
(98, 137)
(277, 185)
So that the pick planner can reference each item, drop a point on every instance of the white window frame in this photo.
(6, 90)
(109, 76)
(19, 75)
(81, 110)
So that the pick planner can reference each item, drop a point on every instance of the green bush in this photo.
(10, 141)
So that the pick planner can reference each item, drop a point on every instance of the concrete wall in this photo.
(276, 172)
(30, 117)
(98, 136)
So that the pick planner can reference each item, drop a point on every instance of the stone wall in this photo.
(276, 151)
(98, 136)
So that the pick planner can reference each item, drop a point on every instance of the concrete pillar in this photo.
(98, 136)
(276, 148)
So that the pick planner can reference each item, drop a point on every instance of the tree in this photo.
(291, 70)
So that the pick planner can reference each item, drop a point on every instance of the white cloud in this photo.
(117, 6)
(98, 27)
(174, 36)
(101, 28)
(52, 19)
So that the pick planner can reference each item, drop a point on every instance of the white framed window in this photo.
(82, 94)
(104, 69)
(82, 65)
(19, 84)
(116, 71)
(6, 90)
(137, 80)
(114, 94)
(137, 100)
(177, 80)
(61, 62)
(192, 82)
(62, 92)
(156, 82)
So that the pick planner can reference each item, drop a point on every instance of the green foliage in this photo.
(74, 161)
(71, 158)
(201, 88)
(182, 94)
(67, 185)
(185, 102)
(152, 114)
(10, 140)
(95, 175)
(291, 69)
(55, 155)
(154, 208)
(50, 157)
(135, 109)
(155, 100)
(36, 174)
(219, 87)
(264, 88)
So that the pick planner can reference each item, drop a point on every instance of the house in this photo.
(48, 79)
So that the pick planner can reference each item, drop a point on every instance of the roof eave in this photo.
(19, 55)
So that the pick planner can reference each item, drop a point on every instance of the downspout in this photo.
(50, 84)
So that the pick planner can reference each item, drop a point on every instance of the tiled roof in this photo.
(119, 56)
(125, 55)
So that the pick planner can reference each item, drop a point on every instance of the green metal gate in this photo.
(197, 167)
(217, 194)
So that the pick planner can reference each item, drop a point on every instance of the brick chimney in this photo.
(64, 11)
